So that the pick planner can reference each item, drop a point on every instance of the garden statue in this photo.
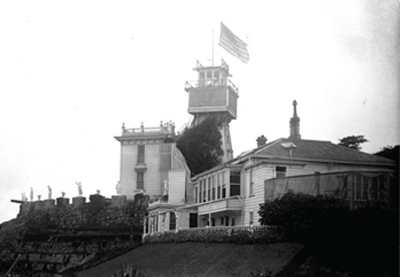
(38, 197)
(79, 188)
(62, 194)
(118, 188)
(98, 192)
(50, 191)
(31, 196)
(166, 185)
(24, 198)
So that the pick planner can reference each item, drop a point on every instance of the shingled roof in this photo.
(315, 150)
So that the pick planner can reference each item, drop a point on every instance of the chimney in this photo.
(261, 141)
(295, 123)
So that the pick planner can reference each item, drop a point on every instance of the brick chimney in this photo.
(261, 141)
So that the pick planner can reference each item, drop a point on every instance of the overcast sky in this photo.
(72, 72)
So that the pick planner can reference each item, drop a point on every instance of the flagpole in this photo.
(212, 57)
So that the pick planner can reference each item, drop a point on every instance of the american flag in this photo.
(234, 45)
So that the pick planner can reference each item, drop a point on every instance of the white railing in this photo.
(211, 83)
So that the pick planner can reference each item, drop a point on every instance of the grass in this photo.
(201, 259)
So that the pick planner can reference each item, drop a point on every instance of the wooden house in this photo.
(230, 194)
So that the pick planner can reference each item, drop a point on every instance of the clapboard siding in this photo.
(260, 174)
(152, 182)
(127, 174)
(176, 190)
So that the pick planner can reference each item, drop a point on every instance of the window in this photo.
(195, 194)
(213, 187)
(140, 159)
(192, 220)
(280, 172)
(234, 183)
(216, 78)
(218, 185)
(251, 216)
(251, 184)
(222, 221)
(223, 185)
(233, 221)
(172, 221)
(209, 188)
(226, 220)
(201, 191)
(361, 192)
(235, 177)
(376, 185)
(140, 180)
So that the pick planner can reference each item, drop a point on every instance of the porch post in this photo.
(209, 214)
(228, 184)
(176, 221)
(144, 226)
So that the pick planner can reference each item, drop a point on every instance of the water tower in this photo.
(214, 95)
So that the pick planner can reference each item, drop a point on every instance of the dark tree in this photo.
(201, 145)
(390, 152)
(352, 141)
(393, 153)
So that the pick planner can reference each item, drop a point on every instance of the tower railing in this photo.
(142, 131)
(211, 82)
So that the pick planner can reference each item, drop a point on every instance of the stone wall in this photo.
(102, 213)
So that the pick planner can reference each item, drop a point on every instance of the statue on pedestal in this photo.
(79, 188)
(118, 188)
(31, 196)
(166, 186)
(50, 191)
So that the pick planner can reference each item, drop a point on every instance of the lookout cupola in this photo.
(214, 95)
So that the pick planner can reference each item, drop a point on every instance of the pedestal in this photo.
(38, 204)
(78, 200)
(118, 200)
(97, 199)
(62, 201)
(49, 203)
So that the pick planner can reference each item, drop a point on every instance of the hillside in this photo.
(201, 259)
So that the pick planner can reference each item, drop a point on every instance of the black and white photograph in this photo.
(213, 138)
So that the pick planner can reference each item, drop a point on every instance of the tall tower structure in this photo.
(214, 95)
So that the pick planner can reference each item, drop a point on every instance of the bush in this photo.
(304, 217)
(262, 234)
(367, 238)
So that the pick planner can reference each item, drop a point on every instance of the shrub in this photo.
(262, 234)
(304, 217)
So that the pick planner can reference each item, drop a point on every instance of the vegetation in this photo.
(302, 216)
(95, 228)
(201, 145)
(361, 242)
(271, 234)
(201, 259)
(352, 141)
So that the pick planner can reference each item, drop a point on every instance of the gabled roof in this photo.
(314, 150)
